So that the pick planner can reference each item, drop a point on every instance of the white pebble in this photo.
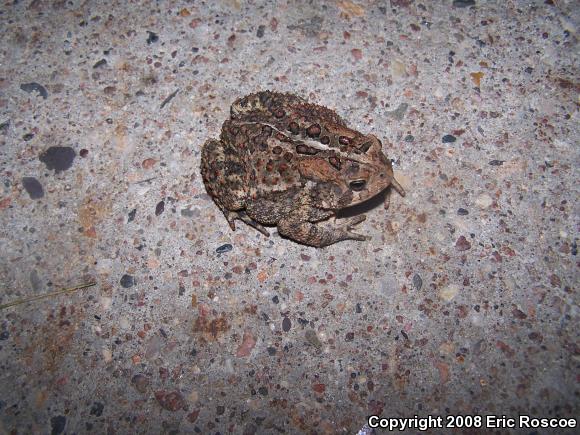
(193, 396)
(449, 292)
(124, 323)
(483, 201)
(105, 302)
(107, 354)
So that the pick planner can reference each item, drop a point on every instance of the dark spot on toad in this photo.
(294, 127)
(304, 149)
(334, 161)
(314, 130)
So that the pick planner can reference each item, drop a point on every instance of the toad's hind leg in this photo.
(225, 174)
(319, 234)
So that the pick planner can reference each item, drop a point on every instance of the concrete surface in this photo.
(465, 300)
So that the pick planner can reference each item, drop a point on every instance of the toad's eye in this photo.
(357, 185)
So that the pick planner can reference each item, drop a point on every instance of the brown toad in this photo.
(283, 161)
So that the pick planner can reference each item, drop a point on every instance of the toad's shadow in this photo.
(363, 207)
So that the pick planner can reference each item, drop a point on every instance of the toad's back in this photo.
(283, 161)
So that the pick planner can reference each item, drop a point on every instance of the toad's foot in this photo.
(231, 216)
(320, 234)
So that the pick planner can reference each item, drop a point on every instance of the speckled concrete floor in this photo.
(464, 301)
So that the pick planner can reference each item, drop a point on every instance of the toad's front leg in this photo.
(295, 226)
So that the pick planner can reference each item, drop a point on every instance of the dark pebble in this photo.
(159, 208)
(193, 352)
(4, 335)
(4, 126)
(312, 338)
(462, 212)
(286, 324)
(57, 424)
(417, 281)
(152, 37)
(449, 138)
(462, 244)
(97, 409)
(574, 250)
(302, 321)
(31, 87)
(172, 401)
(220, 410)
(35, 280)
(409, 138)
(27, 137)
(141, 383)
(33, 187)
(261, 30)
(463, 3)
(275, 299)
(127, 281)
(169, 98)
(263, 391)
(100, 63)
(399, 112)
(132, 214)
(271, 351)
(358, 308)
(84, 152)
(496, 162)
(529, 70)
(224, 248)
(404, 334)
(58, 158)
(349, 336)
(250, 429)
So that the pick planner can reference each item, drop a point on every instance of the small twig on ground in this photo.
(47, 295)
